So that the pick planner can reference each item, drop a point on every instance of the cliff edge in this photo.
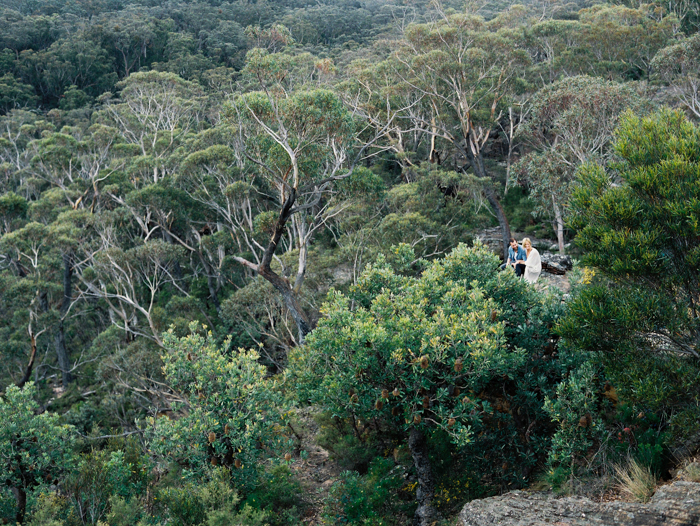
(676, 504)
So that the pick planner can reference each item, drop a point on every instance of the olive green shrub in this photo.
(230, 410)
(462, 349)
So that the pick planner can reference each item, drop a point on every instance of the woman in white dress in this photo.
(533, 263)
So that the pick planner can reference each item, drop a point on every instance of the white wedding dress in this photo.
(533, 266)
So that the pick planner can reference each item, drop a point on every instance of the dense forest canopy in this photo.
(228, 226)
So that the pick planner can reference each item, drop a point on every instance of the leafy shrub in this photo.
(214, 504)
(574, 409)
(185, 506)
(123, 512)
(232, 408)
(279, 494)
(35, 448)
(462, 349)
(98, 476)
(49, 510)
(369, 499)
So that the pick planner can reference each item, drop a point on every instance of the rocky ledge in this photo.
(676, 504)
(556, 263)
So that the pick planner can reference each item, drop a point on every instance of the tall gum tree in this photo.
(570, 122)
(299, 141)
(466, 69)
(679, 66)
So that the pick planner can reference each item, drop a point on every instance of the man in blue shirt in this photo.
(515, 253)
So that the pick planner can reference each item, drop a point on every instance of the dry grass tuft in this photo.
(636, 481)
(692, 472)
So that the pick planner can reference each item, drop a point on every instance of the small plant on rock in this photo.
(636, 481)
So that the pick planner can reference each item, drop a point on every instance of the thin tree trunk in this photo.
(30, 365)
(559, 221)
(60, 337)
(213, 294)
(279, 283)
(425, 515)
(21, 497)
(477, 162)
(495, 203)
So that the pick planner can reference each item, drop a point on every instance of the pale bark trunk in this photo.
(559, 222)
(60, 337)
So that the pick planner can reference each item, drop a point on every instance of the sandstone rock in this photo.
(677, 504)
(556, 263)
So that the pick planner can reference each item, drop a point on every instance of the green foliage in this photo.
(407, 342)
(580, 429)
(184, 505)
(678, 66)
(232, 409)
(641, 233)
(214, 504)
(123, 512)
(436, 352)
(35, 449)
(571, 122)
(98, 477)
(15, 94)
(370, 499)
(280, 496)
(48, 511)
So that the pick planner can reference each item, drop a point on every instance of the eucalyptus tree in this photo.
(399, 111)
(127, 273)
(17, 129)
(679, 66)
(15, 94)
(295, 141)
(154, 114)
(621, 41)
(132, 36)
(39, 288)
(466, 69)
(569, 123)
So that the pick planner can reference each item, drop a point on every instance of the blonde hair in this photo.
(526, 240)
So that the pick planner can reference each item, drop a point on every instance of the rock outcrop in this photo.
(556, 263)
(676, 504)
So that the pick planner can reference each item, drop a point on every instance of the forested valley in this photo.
(236, 234)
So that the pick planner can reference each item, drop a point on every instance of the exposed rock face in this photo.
(676, 504)
(556, 263)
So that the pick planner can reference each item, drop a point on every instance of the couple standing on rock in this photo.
(525, 259)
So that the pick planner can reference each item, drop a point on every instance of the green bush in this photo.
(463, 349)
(98, 476)
(214, 504)
(579, 427)
(124, 512)
(34, 447)
(232, 408)
(280, 495)
(368, 500)
(50, 509)
(185, 506)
